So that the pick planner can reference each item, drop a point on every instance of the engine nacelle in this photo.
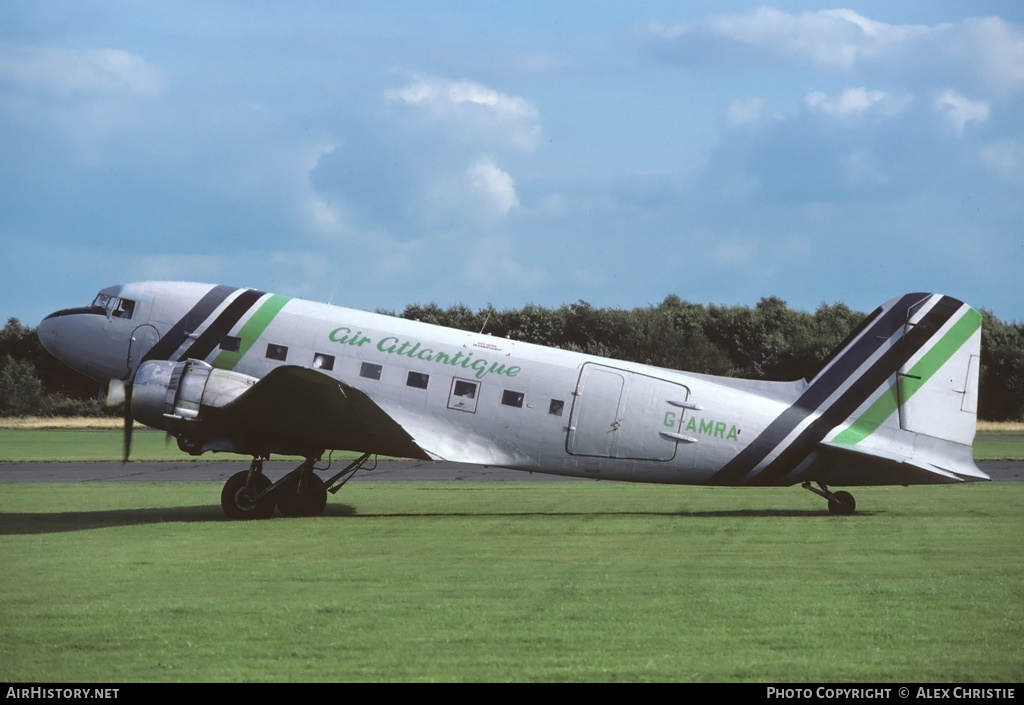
(172, 395)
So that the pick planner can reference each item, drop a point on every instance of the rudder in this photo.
(934, 389)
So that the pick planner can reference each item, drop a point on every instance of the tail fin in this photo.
(895, 405)
(929, 356)
(913, 372)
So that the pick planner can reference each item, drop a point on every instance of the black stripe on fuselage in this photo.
(859, 392)
(845, 365)
(180, 331)
(215, 332)
(90, 310)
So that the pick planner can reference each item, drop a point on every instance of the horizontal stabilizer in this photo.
(875, 466)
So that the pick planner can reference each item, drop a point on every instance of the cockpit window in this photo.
(113, 306)
(124, 308)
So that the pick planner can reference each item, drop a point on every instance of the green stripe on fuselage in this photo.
(937, 356)
(251, 330)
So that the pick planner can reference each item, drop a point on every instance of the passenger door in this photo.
(621, 414)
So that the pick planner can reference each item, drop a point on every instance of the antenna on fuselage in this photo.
(336, 285)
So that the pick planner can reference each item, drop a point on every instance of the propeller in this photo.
(129, 423)
(119, 390)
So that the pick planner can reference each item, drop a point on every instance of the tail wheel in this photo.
(305, 498)
(842, 504)
(237, 502)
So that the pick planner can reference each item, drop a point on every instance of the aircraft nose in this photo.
(79, 338)
(49, 333)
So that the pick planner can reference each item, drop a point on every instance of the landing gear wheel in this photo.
(305, 498)
(237, 504)
(842, 504)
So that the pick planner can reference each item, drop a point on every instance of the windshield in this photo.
(111, 305)
(101, 301)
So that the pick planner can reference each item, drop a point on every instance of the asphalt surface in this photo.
(219, 471)
(393, 471)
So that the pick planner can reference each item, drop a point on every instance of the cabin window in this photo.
(555, 407)
(463, 395)
(370, 370)
(323, 362)
(277, 352)
(462, 388)
(418, 380)
(510, 398)
(231, 343)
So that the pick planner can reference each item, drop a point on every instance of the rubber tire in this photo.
(310, 504)
(843, 505)
(233, 503)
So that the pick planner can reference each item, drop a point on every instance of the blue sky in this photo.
(386, 153)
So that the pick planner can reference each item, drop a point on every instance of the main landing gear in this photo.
(838, 502)
(301, 493)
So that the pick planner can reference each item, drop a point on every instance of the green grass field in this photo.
(35, 445)
(994, 448)
(505, 582)
(513, 582)
(92, 445)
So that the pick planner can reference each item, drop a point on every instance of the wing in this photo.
(297, 411)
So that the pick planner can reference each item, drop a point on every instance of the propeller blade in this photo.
(129, 422)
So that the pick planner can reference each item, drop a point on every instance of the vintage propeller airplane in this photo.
(243, 371)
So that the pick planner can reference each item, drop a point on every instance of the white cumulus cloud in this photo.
(961, 110)
(71, 72)
(987, 53)
(496, 185)
(440, 92)
(851, 102)
(835, 39)
(473, 110)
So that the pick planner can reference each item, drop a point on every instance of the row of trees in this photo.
(34, 383)
(770, 341)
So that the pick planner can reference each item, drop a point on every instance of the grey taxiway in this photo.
(392, 471)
